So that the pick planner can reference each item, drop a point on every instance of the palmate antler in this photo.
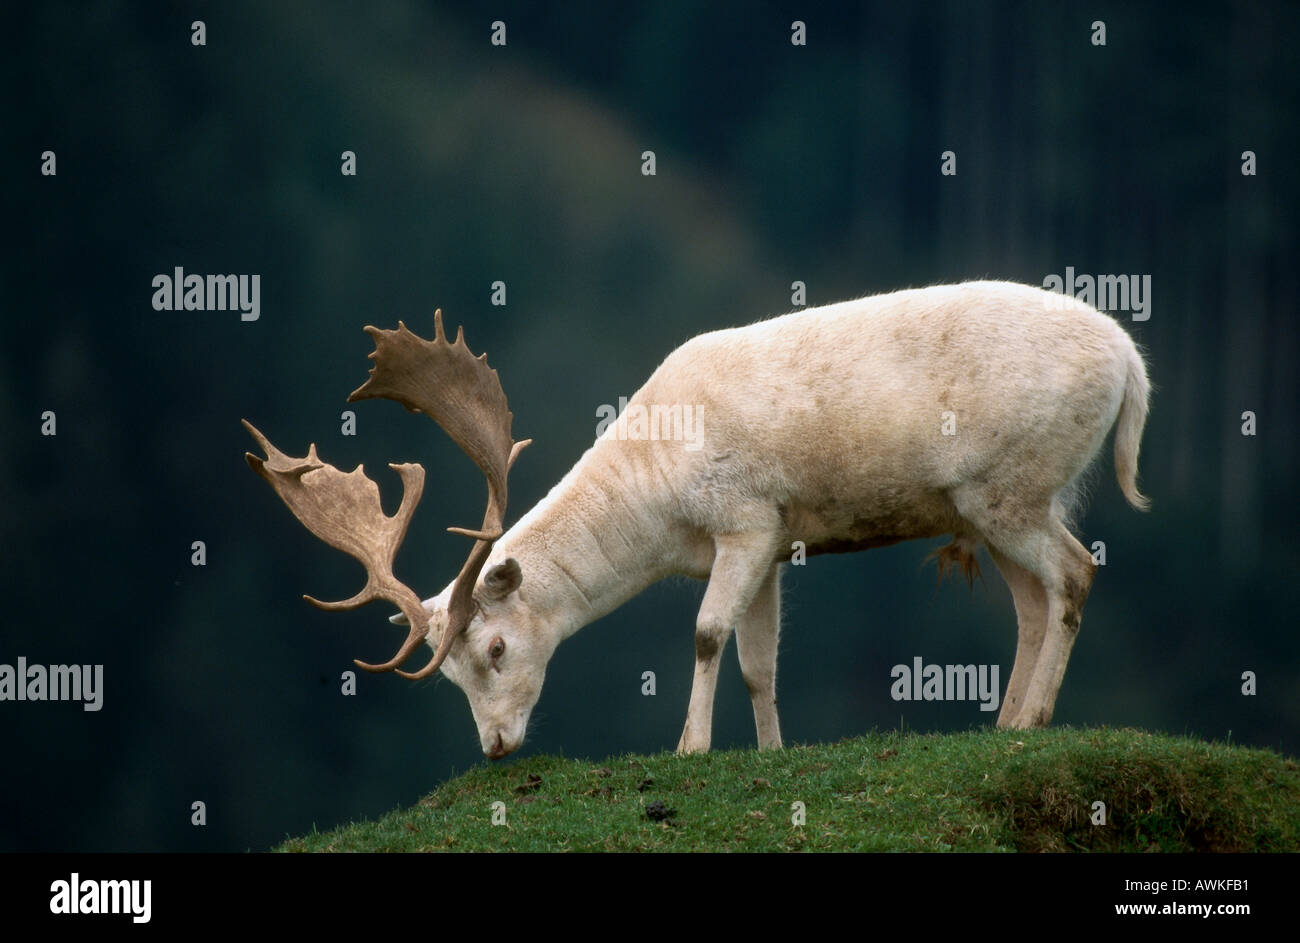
(463, 395)
(344, 511)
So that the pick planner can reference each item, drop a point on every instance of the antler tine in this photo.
(405, 600)
(461, 393)
(344, 511)
(461, 605)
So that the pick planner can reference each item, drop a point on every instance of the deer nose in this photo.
(498, 749)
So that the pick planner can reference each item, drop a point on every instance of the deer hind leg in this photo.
(1032, 536)
(1031, 615)
(1068, 571)
(756, 642)
(741, 563)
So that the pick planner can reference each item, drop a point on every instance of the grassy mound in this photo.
(984, 790)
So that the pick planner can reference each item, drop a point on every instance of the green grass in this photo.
(984, 790)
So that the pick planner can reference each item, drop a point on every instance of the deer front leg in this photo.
(757, 633)
(741, 563)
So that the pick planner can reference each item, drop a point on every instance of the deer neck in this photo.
(600, 537)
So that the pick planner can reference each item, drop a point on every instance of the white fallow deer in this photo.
(969, 410)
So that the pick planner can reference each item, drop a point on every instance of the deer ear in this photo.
(503, 579)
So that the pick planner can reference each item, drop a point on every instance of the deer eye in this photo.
(498, 648)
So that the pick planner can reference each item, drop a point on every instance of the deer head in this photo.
(463, 395)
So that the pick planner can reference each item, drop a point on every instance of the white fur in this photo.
(827, 426)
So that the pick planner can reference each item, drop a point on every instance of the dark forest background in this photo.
(775, 163)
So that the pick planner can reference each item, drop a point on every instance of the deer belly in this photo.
(889, 515)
